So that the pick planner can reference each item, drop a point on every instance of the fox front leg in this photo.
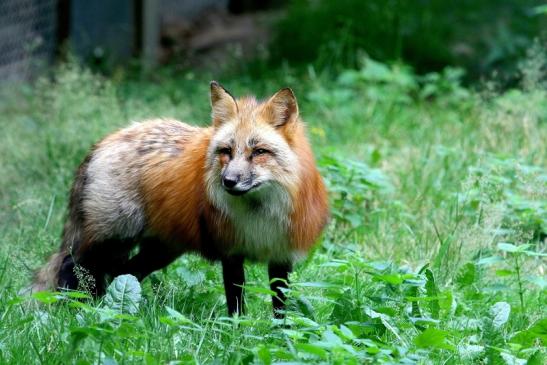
(234, 279)
(279, 280)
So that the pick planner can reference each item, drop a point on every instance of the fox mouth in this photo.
(241, 191)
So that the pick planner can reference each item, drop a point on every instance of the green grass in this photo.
(434, 254)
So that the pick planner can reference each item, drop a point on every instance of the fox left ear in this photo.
(223, 104)
(281, 109)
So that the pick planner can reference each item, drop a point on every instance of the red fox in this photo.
(245, 188)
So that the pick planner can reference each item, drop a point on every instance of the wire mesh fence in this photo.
(28, 40)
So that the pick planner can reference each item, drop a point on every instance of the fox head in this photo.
(253, 147)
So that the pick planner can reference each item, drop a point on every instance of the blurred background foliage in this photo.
(482, 37)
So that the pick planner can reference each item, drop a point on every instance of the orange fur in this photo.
(175, 191)
(175, 194)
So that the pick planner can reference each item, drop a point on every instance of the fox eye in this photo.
(224, 151)
(260, 151)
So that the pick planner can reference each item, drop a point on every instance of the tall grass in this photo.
(435, 251)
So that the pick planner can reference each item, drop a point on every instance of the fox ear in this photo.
(224, 106)
(281, 109)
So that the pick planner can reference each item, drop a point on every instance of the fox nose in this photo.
(229, 181)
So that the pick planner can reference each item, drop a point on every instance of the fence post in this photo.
(150, 33)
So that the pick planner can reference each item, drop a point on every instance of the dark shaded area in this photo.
(480, 36)
(63, 24)
(242, 6)
(103, 31)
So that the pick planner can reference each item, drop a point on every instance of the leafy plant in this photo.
(123, 295)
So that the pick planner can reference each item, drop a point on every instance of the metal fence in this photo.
(32, 31)
(28, 37)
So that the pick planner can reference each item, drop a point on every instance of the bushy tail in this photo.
(59, 270)
(47, 278)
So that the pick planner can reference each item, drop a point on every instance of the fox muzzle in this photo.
(235, 179)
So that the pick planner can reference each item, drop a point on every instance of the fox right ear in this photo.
(223, 104)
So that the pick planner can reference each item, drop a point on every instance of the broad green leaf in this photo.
(77, 295)
(346, 332)
(511, 360)
(303, 322)
(336, 264)
(536, 254)
(537, 358)
(504, 272)
(355, 219)
(433, 338)
(509, 247)
(191, 278)
(92, 331)
(490, 260)
(470, 351)
(414, 303)
(391, 328)
(379, 265)
(332, 337)
(81, 305)
(263, 353)
(467, 275)
(537, 332)
(123, 295)
(500, 312)
(305, 307)
(447, 301)
(423, 322)
(345, 309)
(431, 289)
(15, 300)
(394, 279)
(312, 350)
(177, 316)
(149, 359)
(47, 297)
(109, 361)
(540, 281)
(540, 9)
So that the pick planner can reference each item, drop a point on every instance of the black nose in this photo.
(229, 181)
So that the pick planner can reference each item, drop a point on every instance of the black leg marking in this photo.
(72, 274)
(152, 256)
(90, 276)
(67, 276)
(100, 259)
(279, 280)
(234, 279)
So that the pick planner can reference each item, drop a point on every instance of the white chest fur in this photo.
(261, 221)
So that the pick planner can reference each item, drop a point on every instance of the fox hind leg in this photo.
(67, 276)
(153, 255)
(94, 262)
